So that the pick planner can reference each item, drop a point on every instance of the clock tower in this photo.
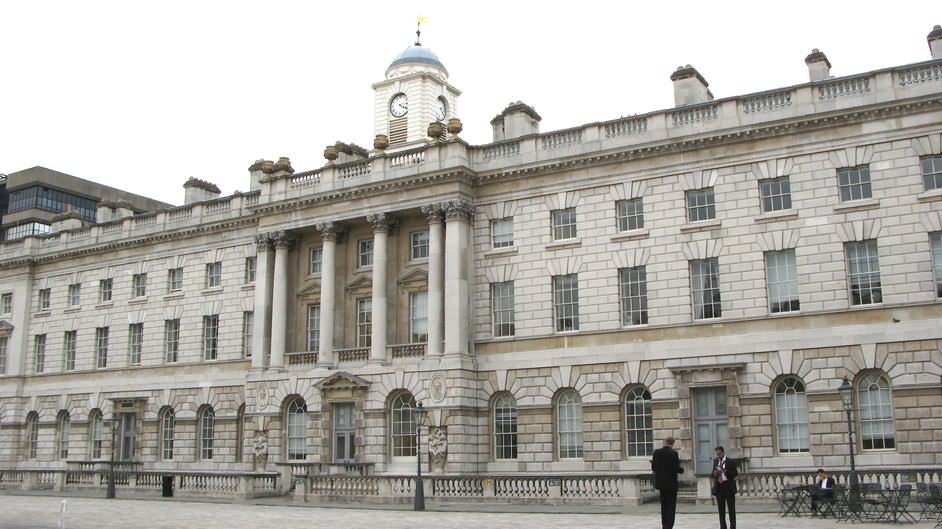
(415, 93)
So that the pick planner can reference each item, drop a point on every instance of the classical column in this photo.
(279, 299)
(381, 222)
(457, 245)
(261, 325)
(330, 231)
(436, 271)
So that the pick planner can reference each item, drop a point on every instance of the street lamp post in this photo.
(114, 426)
(846, 391)
(419, 414)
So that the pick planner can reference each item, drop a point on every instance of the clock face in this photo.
(399, 105)
(441, 109)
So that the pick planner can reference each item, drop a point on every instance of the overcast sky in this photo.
(142, 95)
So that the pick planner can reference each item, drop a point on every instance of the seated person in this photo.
(824, 491)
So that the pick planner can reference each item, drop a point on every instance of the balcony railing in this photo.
(407, 350)
(356, 354)
(303, 358)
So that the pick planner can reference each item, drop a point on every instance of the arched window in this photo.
(403, 425)
(96, 434)
(63, 430)
(875, 402)
(639, 423)
(240, 433)
(207, 432)
(791, 416)
(505, 426)
(168, 423)
(32, 435)
(569, 414)
(296, 421)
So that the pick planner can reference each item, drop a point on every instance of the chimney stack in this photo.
(255, 175)
(197, 190)
(518, 119)
(690, 87)
(819, 67)
(935, 42)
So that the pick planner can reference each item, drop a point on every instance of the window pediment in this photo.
(6, 328)
(413, 279)
(310, 289)
(342, 380)
(360, 284)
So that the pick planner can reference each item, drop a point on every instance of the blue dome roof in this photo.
(417, 55)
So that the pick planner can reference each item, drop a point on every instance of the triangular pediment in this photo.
(342, 380)
(310, 288)
(413, 276)
(360, 282)
(5, 328)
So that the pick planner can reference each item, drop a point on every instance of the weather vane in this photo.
(418, 29)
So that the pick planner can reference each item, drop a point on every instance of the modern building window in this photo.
(249, 274)
(4, 340)
(402, 429)
(936, 241)
(502, 232)
(168, 423)
(96, 434)
(782, 281)
(365, 253)
(63, 431)
(171, 340)
(875, 402)
(210, 337)
(314, 327)
(705, 288)
(248, 326)
(6, 303)
(569, 424)
(931, 171)
(49, 199)
(418, 317)
(863, 272)
(32, 435)
(633, 291)
(502, 308)
(214, 274)
(69, 345)
(630, 214)
(39, 353)
(419, 244)
(775, 194)
(25, 230)
(45, 295)
(175, 280)
(75, 295)
(639, 423)
(701, 205)
(791, 416)
(566, 302)
(139, 285)
(101, 347)
(296, 420)
(564, 224)
(317, 260)
(364, 322)
(104, 290)
(853, 183)
(135, 343)
(207, 432)
(505, 427)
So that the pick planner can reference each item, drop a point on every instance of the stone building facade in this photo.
(558, 302)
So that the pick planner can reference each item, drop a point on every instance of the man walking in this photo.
(724, 476)
(666, 465)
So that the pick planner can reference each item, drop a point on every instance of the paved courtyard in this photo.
(42, 512)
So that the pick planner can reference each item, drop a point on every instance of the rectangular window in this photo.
(775, 193)
(419, 244)
(6, 304)
(135, 343)
(104, 290)
(854, 183)
(175, 280)
(502, 232)
(564, 224)
(863, 272)
(936, 239)
(314, 327)
(45, 296)
(69, 345)
(630, 214)
(214, 274)
(633, 289)
(248, 326)
(101, 347)
(502, 308)
(75, 295)
(782, 281)
(364, 322)
(39, 353)
(418, 317)
(210, 337)
(317, 260)
(701, 205)
(139, 285)
(249, 276)
(931, 171)
(566, 302)
(705, 288)
(171, 340)
(365, 253)
(4, 340)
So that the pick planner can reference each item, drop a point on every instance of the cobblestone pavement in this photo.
(43, 512)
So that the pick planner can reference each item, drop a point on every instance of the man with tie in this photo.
(724, 476)
(666, 465)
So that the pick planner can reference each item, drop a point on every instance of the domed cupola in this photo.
(416, 59)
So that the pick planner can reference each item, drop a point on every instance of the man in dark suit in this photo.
(724, 476)
(666, 465)
(824, 491)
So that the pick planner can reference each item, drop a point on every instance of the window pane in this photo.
(931, 171)
(863, 272)
(854, 183)
(791, 416)
(700, 205)
(629, 214)
(502, 232)
(634, 295)
(317, 257)
(639, 423)
(418, 317)
(420, 244)
(876, 413)
(570, 425)
(775, 194)
(502, 308)
(314, 327)
(936, 239)
(364, 322)
(782, 281)
(705, 288)
(505, 427)
(564, 224)
(297, 429)
(566, 302)
(403, 426)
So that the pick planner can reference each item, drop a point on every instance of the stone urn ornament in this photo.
(330, 153)
(455, 126)
(381, 142)
(435, 130)
(268, 167)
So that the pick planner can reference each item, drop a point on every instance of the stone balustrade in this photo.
(356, 354)
(766, 485)
(303, 358)
(407, 350)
